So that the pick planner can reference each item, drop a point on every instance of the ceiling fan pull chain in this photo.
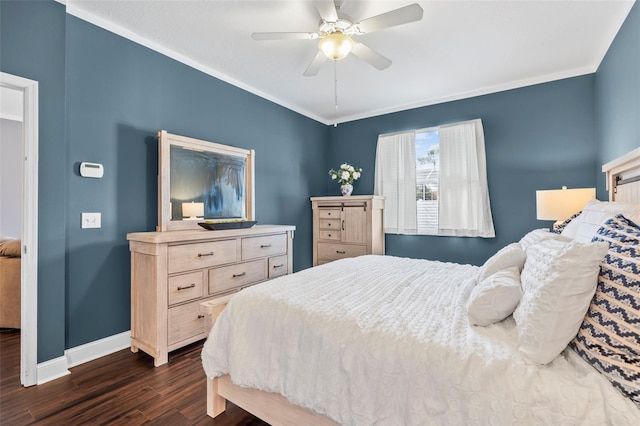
(335, 91)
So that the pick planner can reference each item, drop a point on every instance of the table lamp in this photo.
(560, 204)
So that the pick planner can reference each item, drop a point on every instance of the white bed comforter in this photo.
(381, 340)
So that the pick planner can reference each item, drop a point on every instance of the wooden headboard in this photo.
(623, 177)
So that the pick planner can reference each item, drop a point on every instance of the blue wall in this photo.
(537, 137)
(32, 45)
(617, 95)
(119, 94)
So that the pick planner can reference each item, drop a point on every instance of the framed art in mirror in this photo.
(200, 180)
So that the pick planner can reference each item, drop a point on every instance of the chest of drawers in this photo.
(174, 272)
(347, 227)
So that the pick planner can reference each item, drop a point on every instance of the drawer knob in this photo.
(329, 234)
(341, 252)
(205, 254)
(278, 266)
(200, 316)
(265, 246)
(192, 285)
(239, 275)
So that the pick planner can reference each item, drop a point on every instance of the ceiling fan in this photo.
(336, 30)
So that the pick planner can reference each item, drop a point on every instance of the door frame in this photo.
(29, 227)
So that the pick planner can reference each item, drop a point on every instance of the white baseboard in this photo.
(52, 369)
(97, 349)
(58, 367)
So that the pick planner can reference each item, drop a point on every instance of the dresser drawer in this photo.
(185, 287)
(328, 251)
(278, 266)
(270, 245)
(330, 224)
(188, 257)
(329, 235)
(329, 213)
(185, 321)
(232, 277)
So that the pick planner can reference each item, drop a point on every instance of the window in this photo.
(435, 181)
(427, 180)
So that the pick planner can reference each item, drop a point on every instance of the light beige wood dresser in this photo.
(347, 227)
(174, 272)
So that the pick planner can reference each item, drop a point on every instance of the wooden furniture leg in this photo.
(215, 403)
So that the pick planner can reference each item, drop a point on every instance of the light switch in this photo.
(91, 220)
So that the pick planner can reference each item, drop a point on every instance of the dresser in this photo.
(174, 274)
(347, 227)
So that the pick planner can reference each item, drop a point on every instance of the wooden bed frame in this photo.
(623, 184)
(623, 177)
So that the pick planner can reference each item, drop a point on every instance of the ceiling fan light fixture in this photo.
(336, 46)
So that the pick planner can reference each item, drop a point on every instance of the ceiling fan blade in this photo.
(315, 65)
(327, 10)
(400, 16)
(369, 55)
(284, 36)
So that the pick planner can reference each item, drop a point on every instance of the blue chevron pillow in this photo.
(557, 229)
(609, 338)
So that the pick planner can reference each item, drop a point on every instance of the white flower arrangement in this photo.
(346, 174)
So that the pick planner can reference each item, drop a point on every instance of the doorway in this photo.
(28, 91)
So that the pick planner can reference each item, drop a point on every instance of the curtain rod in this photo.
(426, 129)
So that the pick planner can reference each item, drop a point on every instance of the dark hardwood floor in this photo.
(120, 389)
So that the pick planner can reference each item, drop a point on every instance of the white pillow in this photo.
(594, 215)
(495, 297)
(538, 235)
(558, 282)
(506, 257)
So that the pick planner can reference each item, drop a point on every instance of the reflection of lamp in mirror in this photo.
(560, 204)
(192, 210)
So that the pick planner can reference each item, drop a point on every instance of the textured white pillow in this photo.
(558, 282)
(538, 235)
(506, 257)
(495, 297)
(583, 228)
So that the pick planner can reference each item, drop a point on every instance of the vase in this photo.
(346, 189)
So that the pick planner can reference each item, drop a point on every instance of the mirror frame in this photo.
(165, 141)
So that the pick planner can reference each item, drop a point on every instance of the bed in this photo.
(387, 340)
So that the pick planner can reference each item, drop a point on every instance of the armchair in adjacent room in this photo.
(10, 283)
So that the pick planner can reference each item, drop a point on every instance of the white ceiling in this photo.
(459, 49)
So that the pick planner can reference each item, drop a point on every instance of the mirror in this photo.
(200, 180)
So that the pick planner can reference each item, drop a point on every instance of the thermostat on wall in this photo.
(92, 170)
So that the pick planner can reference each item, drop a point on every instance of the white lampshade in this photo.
(336, 45)
(559, 204)
(192, 210)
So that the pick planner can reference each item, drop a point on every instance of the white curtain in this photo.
(464, 208)
(395, 179)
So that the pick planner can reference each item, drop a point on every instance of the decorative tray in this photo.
(219, 226)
